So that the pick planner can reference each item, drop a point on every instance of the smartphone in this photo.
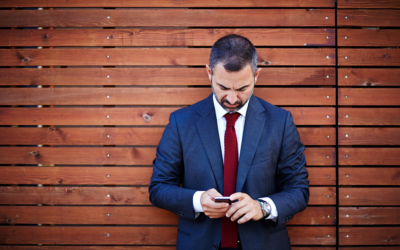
(223, 199)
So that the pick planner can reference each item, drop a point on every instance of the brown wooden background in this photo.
(86, 88)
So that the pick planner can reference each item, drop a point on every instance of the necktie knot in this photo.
(231, 118)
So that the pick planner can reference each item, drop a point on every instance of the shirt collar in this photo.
(220, 111)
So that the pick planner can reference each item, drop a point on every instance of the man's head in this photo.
(233, 71)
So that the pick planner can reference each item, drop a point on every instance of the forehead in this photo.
(243, 75)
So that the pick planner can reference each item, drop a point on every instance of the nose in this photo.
(232, 97)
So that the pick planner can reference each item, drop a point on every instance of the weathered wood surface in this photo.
(154, 96)
(149, 136)
(324, 156)
(380, 176)
(368, 18)
(167, 3)
(369, 215)
(369, 136)
(369, 196)
(157, 57)
(368, 77)
(168, 18)
(368, 57)
(164, 37)
(137, 116)
(80, 175)
(368, 37)
(369, 96)
(75, 195)
(368, 4)
(118, 215)
(157, 76)
(369, 116)
(369, 236)
(369, 156)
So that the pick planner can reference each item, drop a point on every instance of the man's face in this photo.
(232, 89)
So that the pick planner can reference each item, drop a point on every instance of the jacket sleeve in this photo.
(168, 170)
(292, 175)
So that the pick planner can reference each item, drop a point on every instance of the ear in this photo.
(208, 71)
(256, 75)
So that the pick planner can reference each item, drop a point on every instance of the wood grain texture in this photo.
(312, 235)
(369, 116)
(368, 4)
(368, 77)
(168, 18)
(167, 3)
(368, 18)
(368, 57)
(75, 195)
(134, 116)
(369, 176)
(155, 96)
(369, 215)
(119, 155)
(369, 156)
(369, 96)
(369, 136)
(90, 215)
(156, 76)
(164, 37)
(157, 57)
(368, 37)
(369, 236)
(321, 176)
(369, 196)
(122, 136)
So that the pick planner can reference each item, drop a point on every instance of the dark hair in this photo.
(234, 52)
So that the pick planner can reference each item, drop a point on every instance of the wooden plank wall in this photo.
(87, 88)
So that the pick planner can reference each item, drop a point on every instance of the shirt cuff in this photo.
(197, 203)
(274, 213)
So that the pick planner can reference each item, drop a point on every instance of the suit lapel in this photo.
(253, 129)
(208, 131)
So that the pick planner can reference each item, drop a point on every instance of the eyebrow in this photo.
(245, 86)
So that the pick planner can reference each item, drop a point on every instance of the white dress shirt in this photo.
(239, 126)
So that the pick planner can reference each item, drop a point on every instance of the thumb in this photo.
(213, 193)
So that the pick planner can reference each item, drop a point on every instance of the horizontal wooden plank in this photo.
(156, 76)
(73, 195)
(368, 37)
(164, 37)
(369, 215)
(369, 96)
(369, 176)
(371, 196)
(369, 136)
(79, 175)
(154, 96)
(134, 116)
(369, 57)
(368, 77)
(119, 155)
(157, 56)
(168, 18)
(369, 236)
(369, 156)
(369, 248)
(369, 116)
(368, 4)
(164, 3)
(135, 235)
(368, 18)
(122, 136)
(128, 215)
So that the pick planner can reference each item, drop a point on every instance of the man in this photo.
(231, 144)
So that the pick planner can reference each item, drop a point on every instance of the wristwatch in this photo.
(265, 208)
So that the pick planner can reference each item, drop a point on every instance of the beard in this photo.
(239, 103)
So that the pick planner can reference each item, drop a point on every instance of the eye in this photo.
(222, 87)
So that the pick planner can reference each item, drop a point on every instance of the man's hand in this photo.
(246, 206)
(210, 208)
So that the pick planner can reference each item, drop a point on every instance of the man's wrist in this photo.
(265, 208)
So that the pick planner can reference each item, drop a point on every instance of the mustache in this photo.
(226, 101)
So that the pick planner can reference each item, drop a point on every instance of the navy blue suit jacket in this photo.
(271, 164)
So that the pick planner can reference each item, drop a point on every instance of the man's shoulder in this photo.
(188, 111)
(273, 110)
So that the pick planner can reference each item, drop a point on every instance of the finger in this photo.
(236, 206)
(237, 196)
(212, 192)
(240, 212)
(215, 215)
(215, 210)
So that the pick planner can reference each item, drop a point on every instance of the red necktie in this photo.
(229, 235)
